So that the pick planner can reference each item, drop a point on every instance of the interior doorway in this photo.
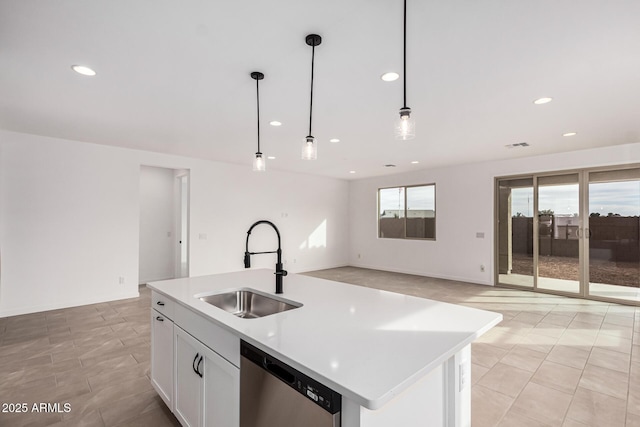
(164, 224)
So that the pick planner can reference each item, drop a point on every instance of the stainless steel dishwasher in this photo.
(273, 394)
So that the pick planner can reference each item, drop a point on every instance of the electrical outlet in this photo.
(482, 268)
(202, 236)
(121, 280)
(463, 372)
(359, 256)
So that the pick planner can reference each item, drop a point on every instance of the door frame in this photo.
(583, 230)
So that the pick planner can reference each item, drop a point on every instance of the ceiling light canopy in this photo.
(541, 101)
(84, 70)
(390, 77)
(309, 144)
(259, 164)
(405, 127)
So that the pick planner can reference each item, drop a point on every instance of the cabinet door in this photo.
(221, 391)
(189, 389)
(162, 356)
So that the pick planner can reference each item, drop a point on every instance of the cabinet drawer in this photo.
(163, 304)
(209, 333)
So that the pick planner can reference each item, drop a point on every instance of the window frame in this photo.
(404, 228)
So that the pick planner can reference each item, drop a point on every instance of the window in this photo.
(407, 212)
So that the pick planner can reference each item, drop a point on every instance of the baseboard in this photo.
(421, 273)
(67, 304)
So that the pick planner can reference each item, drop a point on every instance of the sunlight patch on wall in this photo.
(317, 238)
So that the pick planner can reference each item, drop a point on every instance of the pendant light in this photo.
(258, 162)
(405, 127)
(309, 145)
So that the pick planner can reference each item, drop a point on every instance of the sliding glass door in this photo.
(515, 232)
(614, 234)
(574, 233)
(558, 198)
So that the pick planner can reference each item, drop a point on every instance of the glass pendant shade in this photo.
(405, 127)
(309, 148)
(259, 164)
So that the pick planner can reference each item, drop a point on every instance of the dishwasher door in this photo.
(274, 394)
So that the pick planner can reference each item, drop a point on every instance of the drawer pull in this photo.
(159, 319)
(160, 303)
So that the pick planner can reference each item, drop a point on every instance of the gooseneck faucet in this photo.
(247, 255)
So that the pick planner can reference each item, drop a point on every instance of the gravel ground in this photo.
(600, 271)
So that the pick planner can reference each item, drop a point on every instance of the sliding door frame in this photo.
(583, 232)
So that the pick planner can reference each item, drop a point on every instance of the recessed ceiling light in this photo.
(81, 69)
(271, 157)
(541, 101)
(570, 134)
(415, 162)
(334, 140)
(352, 171)
(275, 123)
(390, 77)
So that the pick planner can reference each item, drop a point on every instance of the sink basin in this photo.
(249, 303)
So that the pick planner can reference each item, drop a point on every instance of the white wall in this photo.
(157, 224)
(464, 206)
(69, 220)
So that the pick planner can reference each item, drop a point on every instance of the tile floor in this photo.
(553, 361)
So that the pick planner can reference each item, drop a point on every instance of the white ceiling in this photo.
(173, 77)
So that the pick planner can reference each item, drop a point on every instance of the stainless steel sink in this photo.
(249, 303)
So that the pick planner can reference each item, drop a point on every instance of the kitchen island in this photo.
(395, 359)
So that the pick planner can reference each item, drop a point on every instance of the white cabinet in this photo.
(162, 356)
(207, 387)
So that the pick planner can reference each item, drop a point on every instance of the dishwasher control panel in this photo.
(323, 396)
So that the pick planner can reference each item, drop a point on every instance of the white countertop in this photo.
(367, 344)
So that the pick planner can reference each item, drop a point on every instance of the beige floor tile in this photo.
(589, 318)
(558, 319)
(529, 318)
(616, 319)
(129, 408)
(488, 406)
(477, 372)
(633, 403)
(537, 342)
(583, 338)
(486, 355)
(572, 423)
(517, 420)
(613, 342)
(549, 329)
(610, 359)
(557, 376)
(524, 358)
(542, 404)
(505, 379)
(633, 420)
(575, 357)
(604, 380)
(597, 409)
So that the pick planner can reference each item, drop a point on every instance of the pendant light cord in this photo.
(404, 78)
(258, 108)
(313, 54)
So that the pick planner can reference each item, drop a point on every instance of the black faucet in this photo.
(247, 255)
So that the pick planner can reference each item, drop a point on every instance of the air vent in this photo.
(517, 145)
(389, 166)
